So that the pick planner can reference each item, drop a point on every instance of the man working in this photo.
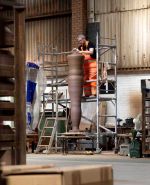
(87, 49)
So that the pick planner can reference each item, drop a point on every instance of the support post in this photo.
(20, 102)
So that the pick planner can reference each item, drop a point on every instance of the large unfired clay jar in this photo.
(75, 85)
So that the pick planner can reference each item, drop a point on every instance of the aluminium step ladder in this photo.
(48, 138)
(47, 135)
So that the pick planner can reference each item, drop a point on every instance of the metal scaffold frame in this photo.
(52, 97)
(102, 49)
(55, 84)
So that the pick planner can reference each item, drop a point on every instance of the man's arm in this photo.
(87, 52)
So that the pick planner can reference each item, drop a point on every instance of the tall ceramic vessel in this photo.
(75, 85)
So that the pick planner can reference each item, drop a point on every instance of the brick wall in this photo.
(79, 19)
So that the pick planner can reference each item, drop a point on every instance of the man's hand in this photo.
(75, 50)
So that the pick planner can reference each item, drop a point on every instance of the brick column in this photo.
(79, 19)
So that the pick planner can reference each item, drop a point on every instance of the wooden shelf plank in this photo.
(7, 71)
(6, 83)
(6, 105)
(6, 93)
(9, 5)
(7, 118)
(6, 87)
(6, 46)
(7, 137)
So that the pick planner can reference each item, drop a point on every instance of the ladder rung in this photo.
(107, 116)
(58, 118)
(62, 118)
(47, 127)
(48, 110)
(56, 147)
(53, 118)
(46, 136)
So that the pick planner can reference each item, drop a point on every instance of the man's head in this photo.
(81, 39)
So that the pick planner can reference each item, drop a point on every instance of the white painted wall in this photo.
(129, 95)
(129, 99)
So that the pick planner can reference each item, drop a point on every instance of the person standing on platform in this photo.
(87, 48)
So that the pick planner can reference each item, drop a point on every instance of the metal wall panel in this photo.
(135, 28)
(55, 32)
(110, 33)
(107, 6)
(131, 29)
(42, 7)
(48, 28)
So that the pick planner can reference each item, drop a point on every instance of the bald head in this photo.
(80, 37)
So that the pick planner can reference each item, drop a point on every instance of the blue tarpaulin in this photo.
(32, 70)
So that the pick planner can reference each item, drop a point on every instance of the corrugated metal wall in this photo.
(55, 32)
(129, 22)
(43, 7)
(108, 6)
(47, 22)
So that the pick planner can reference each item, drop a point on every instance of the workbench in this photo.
(74, 137)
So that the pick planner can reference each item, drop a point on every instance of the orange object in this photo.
(89, 74)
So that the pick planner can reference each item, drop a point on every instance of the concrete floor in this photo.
(127, 171)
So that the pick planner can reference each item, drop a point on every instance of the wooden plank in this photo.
(6, 118)
(6, 93)
(6, 83)
(6, 105)
(7, 137)
(5, 145)
(7, 4)
(20, 101)
(7, 71)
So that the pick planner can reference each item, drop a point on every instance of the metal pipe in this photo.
(97, 95)
(115, 61)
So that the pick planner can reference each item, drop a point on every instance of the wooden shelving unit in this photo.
(145, 117)
(12, 82)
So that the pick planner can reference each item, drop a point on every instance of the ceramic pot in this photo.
(75, 85)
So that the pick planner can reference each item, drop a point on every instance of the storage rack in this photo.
(100, 51)
(12, 77)
(145, 117)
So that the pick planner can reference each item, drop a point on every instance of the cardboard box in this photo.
(78, 175)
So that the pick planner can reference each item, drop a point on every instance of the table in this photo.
(74, 137)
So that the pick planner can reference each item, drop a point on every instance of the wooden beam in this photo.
(20, 94)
